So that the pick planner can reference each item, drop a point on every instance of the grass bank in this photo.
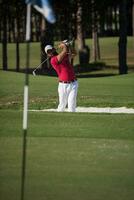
(114, 91)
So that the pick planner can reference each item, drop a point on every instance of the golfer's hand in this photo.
(62, 46)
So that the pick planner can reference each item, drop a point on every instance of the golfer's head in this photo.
(49, 50)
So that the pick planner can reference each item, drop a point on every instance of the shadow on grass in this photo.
(95, 75)
(98, 69)
(92, 70)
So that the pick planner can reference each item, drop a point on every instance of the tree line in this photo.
(75, 19)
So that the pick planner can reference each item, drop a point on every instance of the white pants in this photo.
(67, 96)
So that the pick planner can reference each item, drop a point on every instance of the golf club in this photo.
(39, 66)
(67, 42)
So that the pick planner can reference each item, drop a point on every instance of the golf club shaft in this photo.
(56, 48)
(40, 64)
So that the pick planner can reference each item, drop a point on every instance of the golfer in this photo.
(68, 84)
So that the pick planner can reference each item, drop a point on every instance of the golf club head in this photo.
(68, 42)
(34, 73)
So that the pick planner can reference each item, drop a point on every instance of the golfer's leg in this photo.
(62, 97)
(72, 97)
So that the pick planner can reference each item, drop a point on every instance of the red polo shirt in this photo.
(64, 69)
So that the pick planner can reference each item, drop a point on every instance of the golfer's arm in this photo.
(61, 55)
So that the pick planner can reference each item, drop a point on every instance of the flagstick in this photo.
(25, 110)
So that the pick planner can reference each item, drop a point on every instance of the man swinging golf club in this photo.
(68, 85)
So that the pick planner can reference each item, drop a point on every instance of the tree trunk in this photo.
(82, 48)
(0, 30)
(133, 18)
(17, 46)
(4, 40)
(37, 22)
(123, 69)
(80, 39)
(96, 46)
(17, 56)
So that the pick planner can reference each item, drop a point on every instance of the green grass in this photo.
(81, 125)
(75, 156)
(112, 91)
(69, 156)
(64, 168)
